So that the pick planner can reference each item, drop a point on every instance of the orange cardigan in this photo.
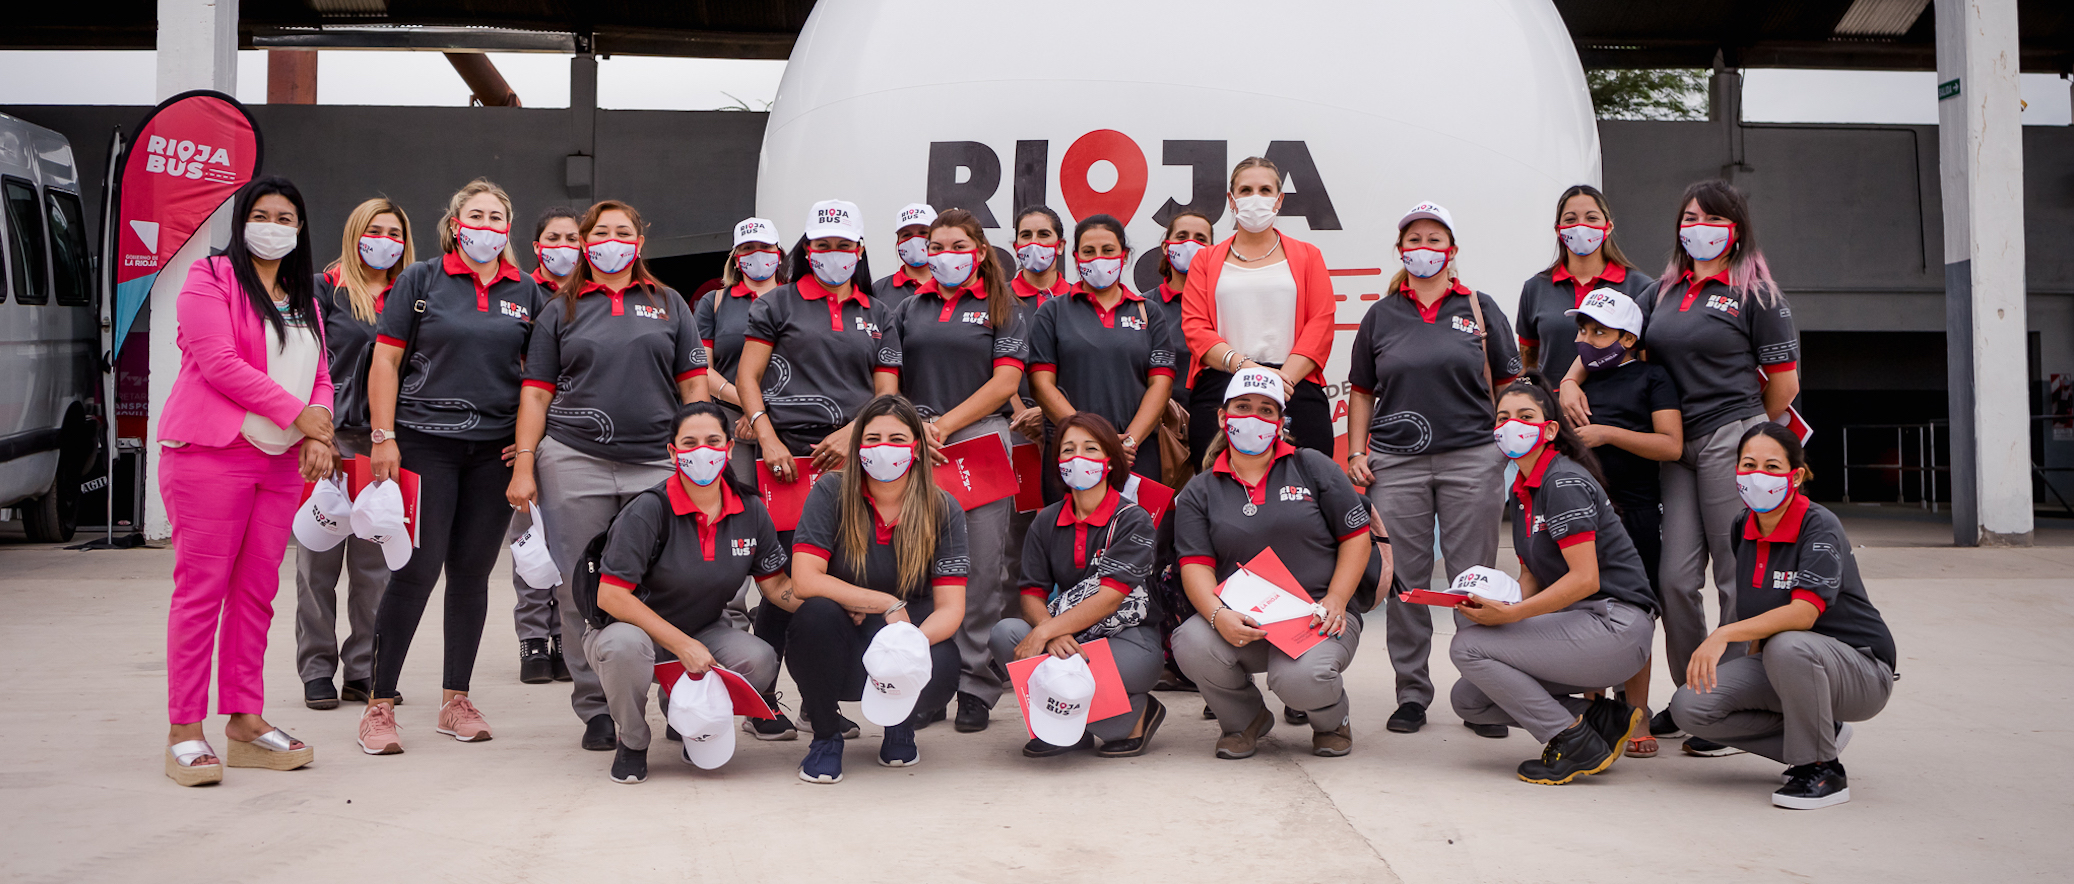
(1315, 306)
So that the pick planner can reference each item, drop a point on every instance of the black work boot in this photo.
(1577, 752)
(534, 665)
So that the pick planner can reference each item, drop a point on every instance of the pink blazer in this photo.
(223, 364)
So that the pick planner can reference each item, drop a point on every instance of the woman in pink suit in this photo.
(253, 385)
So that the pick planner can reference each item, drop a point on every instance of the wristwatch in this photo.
(379, 436)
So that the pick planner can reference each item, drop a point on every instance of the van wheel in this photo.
(53, 517)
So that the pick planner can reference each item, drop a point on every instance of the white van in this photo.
(49, 333)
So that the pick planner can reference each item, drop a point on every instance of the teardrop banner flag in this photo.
(189, 155)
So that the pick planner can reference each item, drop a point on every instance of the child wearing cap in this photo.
(1635, 426)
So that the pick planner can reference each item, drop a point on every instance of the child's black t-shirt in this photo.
(1627, 396)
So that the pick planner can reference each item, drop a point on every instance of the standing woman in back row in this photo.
(754, 269)
(1721, 326)
(443, 398)
(611, 358)
(1259, 298)
(1587, 259)
(350, 295)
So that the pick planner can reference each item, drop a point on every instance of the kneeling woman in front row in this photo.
(1823, 655)
(673, 559)
(1085, 563)
(1261, 493)
(1586, 614)
(877, 543)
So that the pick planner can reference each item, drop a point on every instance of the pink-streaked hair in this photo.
(1748, 273)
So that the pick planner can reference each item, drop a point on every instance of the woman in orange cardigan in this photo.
(1259, 298)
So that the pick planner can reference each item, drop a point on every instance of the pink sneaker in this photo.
(378, 730)
(462, 721)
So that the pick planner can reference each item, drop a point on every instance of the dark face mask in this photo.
(1599, 358)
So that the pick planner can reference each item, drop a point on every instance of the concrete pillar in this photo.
(580, 167)
(1981, 168)
(1725, 110)
(197, 49)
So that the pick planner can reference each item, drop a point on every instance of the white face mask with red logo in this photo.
(1582, 239)
(1100, 273)
(480, 244)
(559, 260)
(1763, 492)
(758, 265)
(612, 255)
(1036, 257)
(832, 267)
(380, 252)
(1424, 263)
(702, 465)
(953, 269)
(1251, 435)
(1517, 439)
(1705, 242)
(1180, 252)
(886, 462)
(914, 251)
(1082, 473)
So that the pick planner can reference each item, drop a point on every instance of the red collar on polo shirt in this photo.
(540, 276)
(742, 290)
(901, 279)
(1430, 314)
(1108, 314)
(973, 287)
(1694, 285)
(619, 296)
(1787, 531)
(457, 267)
(1101, 516)
(1614, 273)
(879, 528)
(1524, 481)
(1255, 493)
(1024, 289)
(334, 274)
(810, 288)
(1167, 294)
(682, 504)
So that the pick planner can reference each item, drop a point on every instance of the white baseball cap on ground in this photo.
(704, 716)
(324, 521)
(834, 218)
(896, 668)
(1256, 380)
(1611, 308)
(916, 213)
(1428, 209)
(1490, 583)
(756, 230)
(378, 516)
(1061, 691)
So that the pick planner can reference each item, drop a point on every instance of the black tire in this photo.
(53, 517)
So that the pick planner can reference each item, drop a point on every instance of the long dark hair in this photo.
(797, 268)
(1609, 248)
(690, 410)
(1105, 436)
(921, 510)
(295, 274)
(572, 285)
(1533, 386)
(1748, 273)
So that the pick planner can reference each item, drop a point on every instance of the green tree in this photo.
(1676, 94)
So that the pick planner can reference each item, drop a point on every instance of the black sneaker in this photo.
(926, 717)
(824, 761)
(779, 729)
(1577, 752)
(1613, 720)
(1294, 715)
(844, 726)
(1037, 748)
(1408, 718)
(972, 714)
(1663, 728)
(898, 749)
(1813, 787)
(557, 666)
(534, 665)
(317, 693)
(629, 766)
(1488, 731)
(1705, 748)
(599, 733)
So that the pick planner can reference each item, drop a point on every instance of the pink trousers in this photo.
(231, 509)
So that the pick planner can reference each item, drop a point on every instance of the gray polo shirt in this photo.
(1559, 506)
(1168, 302)
(349, 349)
(820, 533)
(1027, 299)
(1808, 557)
(1426, 371)
(895, 288)
(823, 354)
(614, 368)
(1714, 344)
(1547, 294)
(1304, 508)
(723, 321)
(1104, 359)
(463, 378)
(662, 548)
(1063, 549)
(947, 348)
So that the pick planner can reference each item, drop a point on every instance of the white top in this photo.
(1256, 310)
(294, 367)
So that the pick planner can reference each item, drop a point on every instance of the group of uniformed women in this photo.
(622, 410)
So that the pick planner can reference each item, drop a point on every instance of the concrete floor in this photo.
(1958, 779)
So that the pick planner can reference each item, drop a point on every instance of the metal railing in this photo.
(1925, 468)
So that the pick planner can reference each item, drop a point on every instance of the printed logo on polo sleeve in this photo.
(1356, 517)
(514, 311)
(1725, 304)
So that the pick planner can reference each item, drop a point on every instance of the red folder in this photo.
(1292, 637)
(976, 472)
(1791, 419)
(746, 700)
(1029, 493)
(1436, 599)
(786, 499)
(1110, 700)
(1155, 498)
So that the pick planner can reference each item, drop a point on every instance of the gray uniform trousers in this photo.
(579, 495)
(1465, 490)
(623, 657)
(318, 652)
(1139, 660)
(534, 615)
(1224, 674)
(1524, 673)
(1784, 703)
(1700, 508)
(986, 593)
